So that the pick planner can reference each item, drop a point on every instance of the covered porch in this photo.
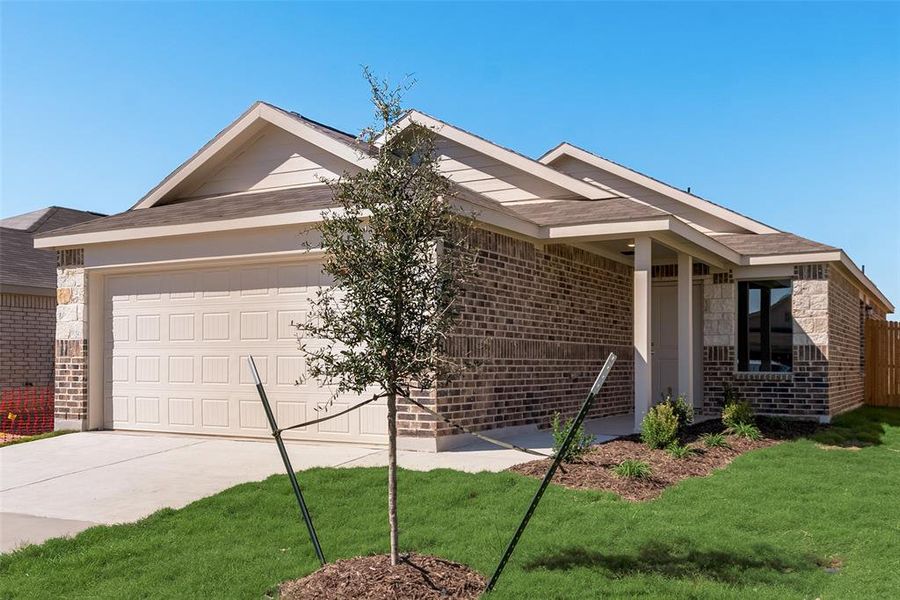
(667, 315)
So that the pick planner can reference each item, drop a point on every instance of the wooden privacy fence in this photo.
(882, 363)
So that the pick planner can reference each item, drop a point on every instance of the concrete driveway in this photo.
(63, 485)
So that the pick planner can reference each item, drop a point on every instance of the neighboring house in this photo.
(579, 257)
(28, 296)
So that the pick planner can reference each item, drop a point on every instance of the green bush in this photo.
(580, 443)
(737, 412)
(679, 451)
(714, 440)
(660, 426)
(747, 430)
(633, 469)
(683, 411)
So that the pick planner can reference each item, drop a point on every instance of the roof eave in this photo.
(514, 159)
(714, 210)
(831, 256)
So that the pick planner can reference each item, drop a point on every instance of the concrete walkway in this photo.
(63, 485)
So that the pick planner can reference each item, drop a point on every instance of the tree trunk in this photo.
(392, 474)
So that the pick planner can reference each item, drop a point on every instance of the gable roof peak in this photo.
(567, 149)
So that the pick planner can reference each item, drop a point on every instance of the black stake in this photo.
(287, 462)
(563, 449)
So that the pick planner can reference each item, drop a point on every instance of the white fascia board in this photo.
(834, 256)
(259, 111)
(509, 157)
(483, 212)
(566, 149)
(867, 283)
(764, 272)
(133, 233)
(599, 231)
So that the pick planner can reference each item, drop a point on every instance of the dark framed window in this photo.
(765, 326)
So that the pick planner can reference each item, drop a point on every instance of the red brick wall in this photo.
(71, 379)
(27, 331)
(538, 322)
(803, 393)
(845, 350)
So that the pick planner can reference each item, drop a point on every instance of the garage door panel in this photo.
(181, 411)
(176, 347)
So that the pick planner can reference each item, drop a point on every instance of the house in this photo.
(579, 257)
(28, 296)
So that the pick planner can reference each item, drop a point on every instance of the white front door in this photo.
(664, 341)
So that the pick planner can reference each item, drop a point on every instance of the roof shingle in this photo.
(21, 264)
(767, 244)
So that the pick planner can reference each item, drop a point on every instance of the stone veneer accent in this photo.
(827, 376)
(27, 327)
(71, 341)
(538, 322)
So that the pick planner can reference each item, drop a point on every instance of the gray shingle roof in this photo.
(767, 244)
(577, 212)
(217, 208)
(21, 264)
(220, 208)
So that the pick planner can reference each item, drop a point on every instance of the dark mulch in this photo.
(417, 577)
(594, 470)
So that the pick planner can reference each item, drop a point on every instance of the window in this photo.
(765, 326)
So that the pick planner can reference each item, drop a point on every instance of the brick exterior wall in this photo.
(27, 331)
(846, 339)
(828, 353)
(537, 322)
(71, 340)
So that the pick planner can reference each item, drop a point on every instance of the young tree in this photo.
(398, 252)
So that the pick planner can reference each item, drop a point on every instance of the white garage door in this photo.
(176, 354)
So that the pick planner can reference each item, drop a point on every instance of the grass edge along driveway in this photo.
(792, 521)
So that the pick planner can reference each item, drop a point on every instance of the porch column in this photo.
(642, 358)
(686, 326)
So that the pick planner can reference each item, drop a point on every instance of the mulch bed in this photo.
(417, 577)
(594, 470)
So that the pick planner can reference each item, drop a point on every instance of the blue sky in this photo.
(787, 112)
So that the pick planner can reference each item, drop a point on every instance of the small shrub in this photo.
(580, 443)
(738, 412)
(684, 412)
(679, 451)
(747, 430)
(714, 440)
(660, 427)
(632, 469)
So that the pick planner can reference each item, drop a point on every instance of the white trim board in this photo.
(569, 150)
(513, 159)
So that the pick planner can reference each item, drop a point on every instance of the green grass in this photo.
(39, 436)
(765, 527)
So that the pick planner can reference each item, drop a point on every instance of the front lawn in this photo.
(7, 439)
(796, 520)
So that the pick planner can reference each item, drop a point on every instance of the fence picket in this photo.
(882, 347)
